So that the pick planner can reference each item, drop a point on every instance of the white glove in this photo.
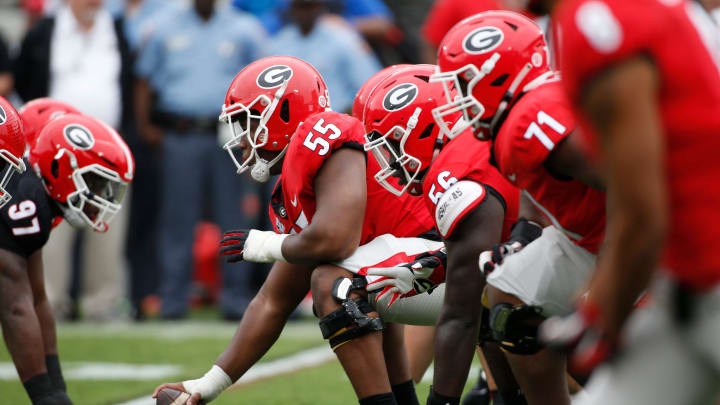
(523, 232)
(409, 278)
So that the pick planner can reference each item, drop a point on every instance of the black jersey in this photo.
(27, 219)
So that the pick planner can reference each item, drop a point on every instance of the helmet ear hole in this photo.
(285, 111)
(427, 131)
(500, 80)
(55, 168)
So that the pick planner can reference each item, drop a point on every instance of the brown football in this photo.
(169, 396)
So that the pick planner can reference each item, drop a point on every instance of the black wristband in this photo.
(437, 399)
(38, 386)
(52, 362)
(525, 232)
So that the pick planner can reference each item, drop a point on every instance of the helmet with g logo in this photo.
(265, 104)
(12, 147)
(401, 131)
(490, 59)
(85, 166)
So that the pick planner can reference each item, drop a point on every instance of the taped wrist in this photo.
(524, 232)
(52, 362)
(515, 328)
(264, 246)
(349, 322)
(214, 382)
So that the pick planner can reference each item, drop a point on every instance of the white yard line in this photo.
(86, 370)
(474, 370)
(177, 330)
(284, 365)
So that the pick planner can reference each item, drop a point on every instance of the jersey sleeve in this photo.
(450, 196)
(599, 33)
(315, 141)
(535, 126)
(26, 219)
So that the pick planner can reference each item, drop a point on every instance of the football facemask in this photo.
(10, 165)
(389, 151)
(248, 124)
(97, 198)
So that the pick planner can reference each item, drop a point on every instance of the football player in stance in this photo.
(473, 208)
(649, 97)
(509, 96)
(419, 339)
(78, 169)
(323, 207)
(38, 112)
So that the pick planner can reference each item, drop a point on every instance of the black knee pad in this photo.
(349, 322)
(515, 327)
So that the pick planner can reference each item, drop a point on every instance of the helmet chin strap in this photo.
(261, 169)
(509, 96)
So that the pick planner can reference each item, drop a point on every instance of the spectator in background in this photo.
(140, 17)
(446, 13)
(331, 46)
(371, 17)
(79, 56)
(184, 70)
(6, 78)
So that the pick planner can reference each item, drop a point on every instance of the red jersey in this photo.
(594, 36)
(537, 123)
(293, 203)
(460, 179)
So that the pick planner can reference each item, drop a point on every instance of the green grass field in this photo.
(190, 347)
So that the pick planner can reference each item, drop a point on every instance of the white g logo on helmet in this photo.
(3, 115)
(400, 96)
(274, 76)
(483, 40)
(79, 136)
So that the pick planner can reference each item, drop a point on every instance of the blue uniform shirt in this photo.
(334, 48)
(190, 62)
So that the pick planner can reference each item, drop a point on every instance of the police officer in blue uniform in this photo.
(184, 68)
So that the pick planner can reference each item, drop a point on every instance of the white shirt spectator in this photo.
(85, 66)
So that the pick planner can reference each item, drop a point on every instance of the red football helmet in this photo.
(367, 87)
(265, 104)
(36, 113)
(12, 146)
(85, 166)
(401, 130)
(491, 58)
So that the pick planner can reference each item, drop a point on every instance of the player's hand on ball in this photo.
(175, 394)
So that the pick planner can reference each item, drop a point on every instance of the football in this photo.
(169, 396)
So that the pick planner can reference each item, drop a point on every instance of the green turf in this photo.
(193, 346)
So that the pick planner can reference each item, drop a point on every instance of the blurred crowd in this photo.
(157, 71)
